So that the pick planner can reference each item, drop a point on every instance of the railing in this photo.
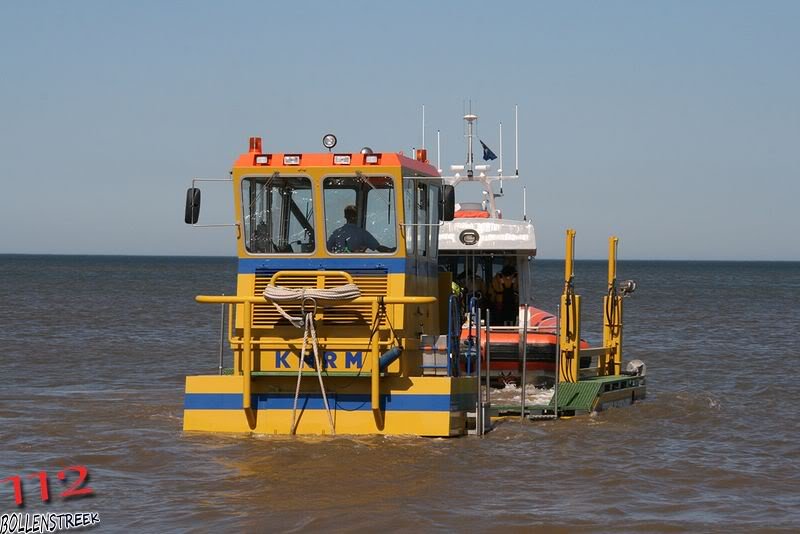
(483, 363)
(454, 324)
(243, 362)
(353, 315)
(609, 355)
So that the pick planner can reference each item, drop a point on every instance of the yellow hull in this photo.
(422, 406)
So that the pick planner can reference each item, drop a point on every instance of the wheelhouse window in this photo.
(360, 214)
(422, 219)
(421, 202)
(278, 215)
(434, 200)
(410, 219)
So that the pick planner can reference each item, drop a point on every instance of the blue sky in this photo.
(675, 125)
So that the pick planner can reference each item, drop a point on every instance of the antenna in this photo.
(438, 153)
(524, 202)
(516, 139)
(470, 120)
(423, 126)
(500, 170)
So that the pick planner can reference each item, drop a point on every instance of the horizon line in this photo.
(111, 255)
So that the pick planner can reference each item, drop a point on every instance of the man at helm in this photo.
(352, 238)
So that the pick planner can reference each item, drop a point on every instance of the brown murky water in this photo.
(93, 352)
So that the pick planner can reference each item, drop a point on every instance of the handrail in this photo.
(454, 325)
(597, 351)
(612, 317)
(524, 378)
(472, 315)
(570, 316)
(280, 274)
(233, 299)
(247, 342)
(609, 354)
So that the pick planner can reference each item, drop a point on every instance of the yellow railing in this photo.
(611, 362)
(570, 316)
(609, 356)
(244, 363)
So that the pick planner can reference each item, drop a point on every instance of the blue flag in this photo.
(487, 152)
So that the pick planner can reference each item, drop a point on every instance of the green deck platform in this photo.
(588, 395)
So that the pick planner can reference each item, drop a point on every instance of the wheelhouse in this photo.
(291, 205)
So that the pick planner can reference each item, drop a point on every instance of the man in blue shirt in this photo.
(352, 238)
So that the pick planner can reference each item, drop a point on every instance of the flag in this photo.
(487, 152)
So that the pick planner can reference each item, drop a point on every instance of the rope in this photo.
(382, 314)
(611, 307)
(569, 291)
(612, 316)
(306, 321)
(310, 329)
(332, 295)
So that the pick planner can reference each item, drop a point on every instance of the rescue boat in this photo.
(350, 308)
(491, 259)
(505, 348)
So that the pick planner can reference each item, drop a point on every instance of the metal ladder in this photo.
(479, 421)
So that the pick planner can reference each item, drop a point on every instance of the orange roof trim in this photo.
(325, 159)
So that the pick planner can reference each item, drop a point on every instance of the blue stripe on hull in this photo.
(212, 401)
(391, 265)
(285, 401)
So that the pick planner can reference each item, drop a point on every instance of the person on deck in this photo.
(352, 238)
(505, 295)
(471, 287)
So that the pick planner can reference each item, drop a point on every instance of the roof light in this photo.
(262, 159)
(341, 159)
(329, 141)
(371, 159)
(293, 159)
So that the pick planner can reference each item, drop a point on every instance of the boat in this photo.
(345, 318)
(490, 258)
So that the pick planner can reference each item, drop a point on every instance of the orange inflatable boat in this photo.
(505, 348)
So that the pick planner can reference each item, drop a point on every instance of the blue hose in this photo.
(388, 357)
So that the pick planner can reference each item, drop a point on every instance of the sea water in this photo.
(94, 351)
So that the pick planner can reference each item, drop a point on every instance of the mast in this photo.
(470, 118)
(438, 153)
(500, 170)
(423, 126)
(516, 139)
